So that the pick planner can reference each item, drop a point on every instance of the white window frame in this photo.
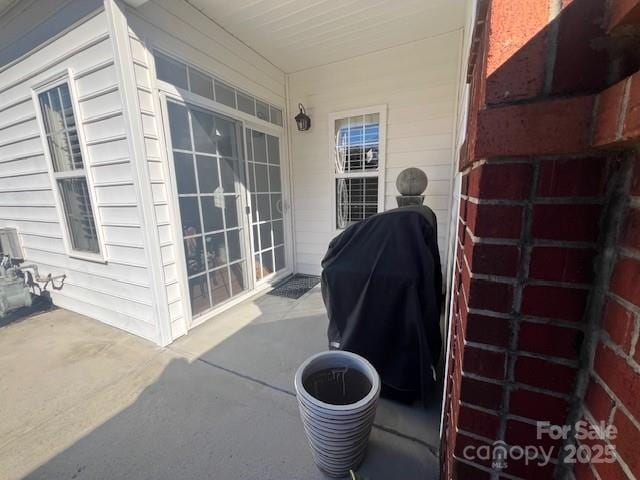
(381, 110)
(66, 76)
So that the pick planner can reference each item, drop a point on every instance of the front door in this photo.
(209, 174)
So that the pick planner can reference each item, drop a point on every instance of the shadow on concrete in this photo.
(41, 304)
(229, 412)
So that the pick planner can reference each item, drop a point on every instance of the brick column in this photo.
(539, 189)
(613, 375)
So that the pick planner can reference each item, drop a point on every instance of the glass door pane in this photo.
(265, 186)
(209, 176)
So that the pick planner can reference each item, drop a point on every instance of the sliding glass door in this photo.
(267, 213)
(210, 182)
(231, 204)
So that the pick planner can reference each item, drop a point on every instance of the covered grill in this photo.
(382, 287)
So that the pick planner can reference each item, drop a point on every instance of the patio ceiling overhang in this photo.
(299, 34)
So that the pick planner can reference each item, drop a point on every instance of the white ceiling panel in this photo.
(299, 34)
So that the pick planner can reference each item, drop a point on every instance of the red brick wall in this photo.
(528, 338)
(613, 394)
(529, 233)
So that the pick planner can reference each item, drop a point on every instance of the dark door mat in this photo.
(295, 286)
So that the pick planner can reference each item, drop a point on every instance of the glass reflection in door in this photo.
(209, 175)
(265, 185)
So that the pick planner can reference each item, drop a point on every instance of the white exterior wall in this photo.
(118, 291)
(139, 287)
(418, 83)
(182, 31)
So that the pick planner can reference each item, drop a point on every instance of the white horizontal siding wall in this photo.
(158, 175)
(117, 292)
(178, 28)
(417, 82)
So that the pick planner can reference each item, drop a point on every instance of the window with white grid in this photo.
(358, 157)
(59, 124)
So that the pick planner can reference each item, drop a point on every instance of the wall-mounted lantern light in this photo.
(302, 119)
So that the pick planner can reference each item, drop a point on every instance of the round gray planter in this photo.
(337, 394)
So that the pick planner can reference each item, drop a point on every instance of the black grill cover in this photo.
(382, 286)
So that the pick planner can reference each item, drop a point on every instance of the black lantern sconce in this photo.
(302, 119)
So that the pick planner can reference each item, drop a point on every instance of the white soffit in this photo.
(299, 34)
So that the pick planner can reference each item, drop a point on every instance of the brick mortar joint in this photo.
(515, 386)
(611, 223)
(629, 253)
(635, 336)
(555, 8)
(527, 318)
(625, 303)
(523, 273)
(620, 460)
(589, 415)
(566, 362)
(619, 404)
(591, 154)
(506, 280)
(538, 200)
(535, 100)
(617, 349)
(554, 322)
(536, 242)
(624, 103)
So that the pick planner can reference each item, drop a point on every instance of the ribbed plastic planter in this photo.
(337, 395)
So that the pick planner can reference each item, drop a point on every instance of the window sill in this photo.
(89, 257)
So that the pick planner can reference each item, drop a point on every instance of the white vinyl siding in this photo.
(417, 82)
(179, 29)
(116, 291)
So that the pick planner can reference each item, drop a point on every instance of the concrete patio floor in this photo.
(81, 400)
